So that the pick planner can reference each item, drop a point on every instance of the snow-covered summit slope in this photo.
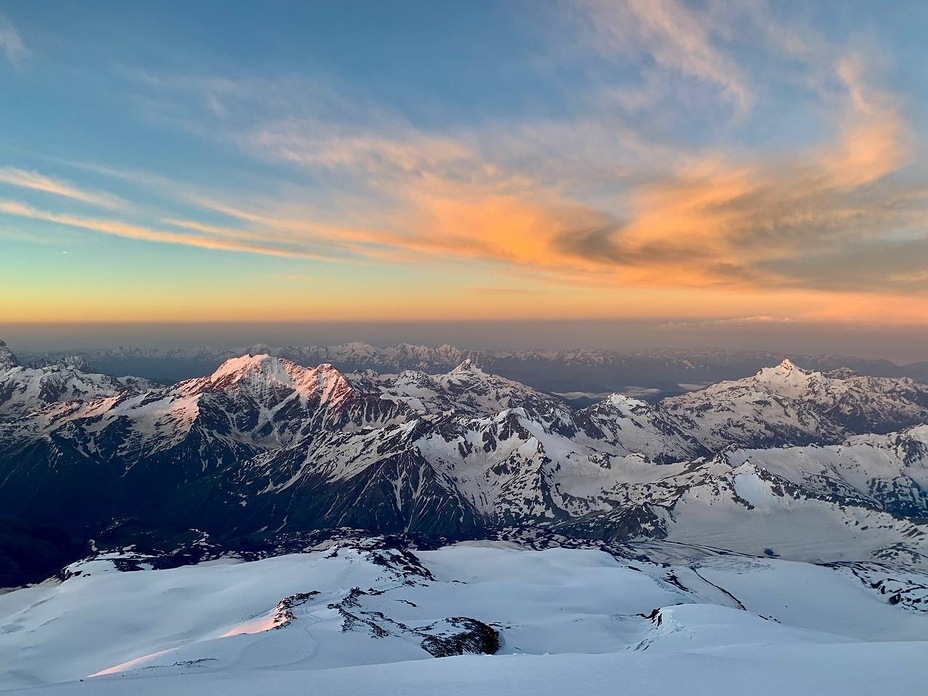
(348, 620)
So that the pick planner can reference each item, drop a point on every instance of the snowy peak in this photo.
(632, 426)
(7, 359)
(468, 369)
(786, 375)
(235, 369)
(784, 369)
(262, 371)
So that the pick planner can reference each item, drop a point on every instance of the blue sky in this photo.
(445, 160)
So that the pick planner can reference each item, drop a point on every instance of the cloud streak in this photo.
(127, 230)
(34, 181)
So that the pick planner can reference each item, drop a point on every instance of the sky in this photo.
(720, 163)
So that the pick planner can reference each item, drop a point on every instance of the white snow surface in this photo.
(570, 621)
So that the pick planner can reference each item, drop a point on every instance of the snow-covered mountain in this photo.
(372, 617)
(265, 446)
(787, 405)
(24, 390)
(584, 375)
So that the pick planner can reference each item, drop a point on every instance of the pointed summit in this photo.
(469, 366)
(7, 359)
(786, 370)
(468, 372)
(786, 379)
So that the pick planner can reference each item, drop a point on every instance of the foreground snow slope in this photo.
(347, 620)
(864, 669)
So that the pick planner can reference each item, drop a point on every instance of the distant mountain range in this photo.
(811, 465)
(582, 375)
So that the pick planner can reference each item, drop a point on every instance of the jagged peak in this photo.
(7, 359)
(787, 370)
(468, 365)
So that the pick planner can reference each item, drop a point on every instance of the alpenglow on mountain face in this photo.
(803, 464)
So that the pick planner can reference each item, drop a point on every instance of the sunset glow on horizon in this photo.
(582, 159)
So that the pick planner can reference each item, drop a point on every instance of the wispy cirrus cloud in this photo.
(220, 240)
(11, 44)
(25, 179)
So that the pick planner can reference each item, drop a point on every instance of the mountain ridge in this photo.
(650, 375)
(265, 446)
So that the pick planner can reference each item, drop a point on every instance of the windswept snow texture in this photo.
(347, 620)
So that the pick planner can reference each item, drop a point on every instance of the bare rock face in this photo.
(460, 636)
